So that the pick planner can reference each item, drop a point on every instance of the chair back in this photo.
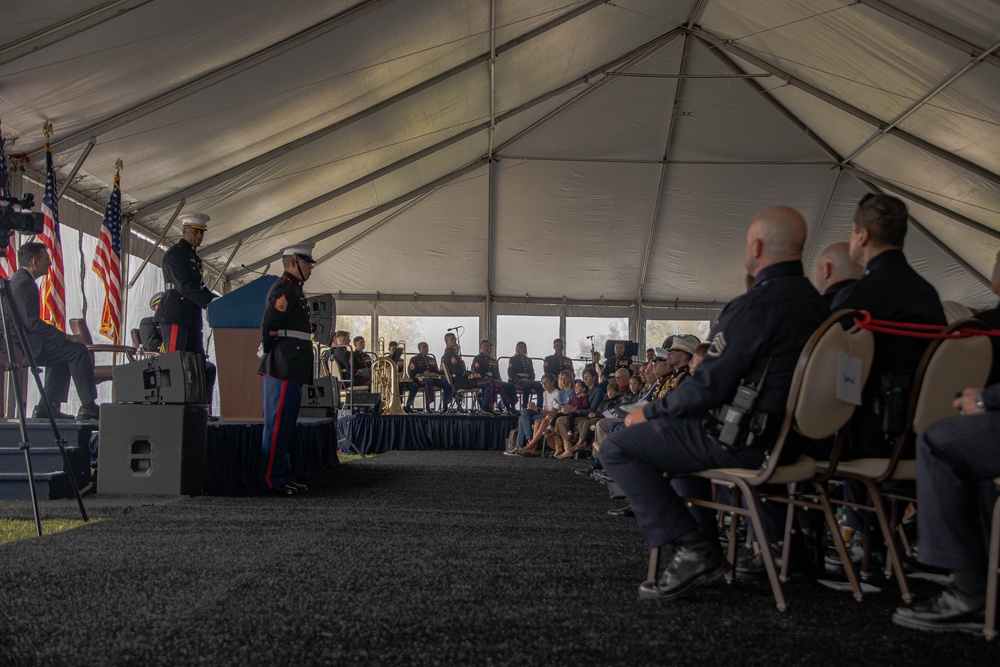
(80, 328)
(948, 366)
(447, 375)
(136, 339)
(816, 410)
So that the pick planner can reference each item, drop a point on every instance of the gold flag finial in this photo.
(119, 165)
(47, 129)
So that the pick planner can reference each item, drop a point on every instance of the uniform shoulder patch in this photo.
(281, 304)
(718, 345)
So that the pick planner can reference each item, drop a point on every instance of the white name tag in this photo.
(848, 379)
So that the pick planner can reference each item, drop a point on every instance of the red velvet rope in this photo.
(912, 330)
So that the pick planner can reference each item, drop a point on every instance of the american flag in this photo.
(107, 264)
(52, 297)
(8, 258)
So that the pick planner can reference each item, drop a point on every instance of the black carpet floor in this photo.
(412, 558)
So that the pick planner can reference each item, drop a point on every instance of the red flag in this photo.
(107, 264)
(8, 258)
(52, 296)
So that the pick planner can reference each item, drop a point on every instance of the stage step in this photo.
(51, 480)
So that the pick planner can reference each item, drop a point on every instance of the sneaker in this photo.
(948, 612)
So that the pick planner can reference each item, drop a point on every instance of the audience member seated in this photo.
(835, 271)
(423, 372)
(557, 362)
(992, 318)
(613, 398)
(521, 374)
(535, 412)
(543, 427)
(565, 425)
(957, 461)
(486, 371)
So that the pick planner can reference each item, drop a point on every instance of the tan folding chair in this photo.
(993, 569)
(948, 366)
(813, 411)
(333, 370)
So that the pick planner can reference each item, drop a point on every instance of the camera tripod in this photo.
(12, 320)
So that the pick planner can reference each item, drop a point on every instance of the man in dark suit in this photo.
(62, 356)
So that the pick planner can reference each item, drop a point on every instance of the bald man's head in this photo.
(835, 265)
(776, 234)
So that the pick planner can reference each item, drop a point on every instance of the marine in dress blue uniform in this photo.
(486, 372)
(185, 294)
(558, 362)
(766, 327)
(287, 364)
(521, 374)
(424, 376)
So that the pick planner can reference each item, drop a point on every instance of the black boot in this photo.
(697, 561)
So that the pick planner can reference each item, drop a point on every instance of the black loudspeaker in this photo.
(178, 377)
(321, 394)
(365, 400)
(322, 317)
(152, 449)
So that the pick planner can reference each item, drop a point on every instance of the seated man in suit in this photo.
(62, 356)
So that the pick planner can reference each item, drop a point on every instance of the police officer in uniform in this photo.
(765, 328)
(957, 460)
(557, 362)
(836, 271)
(287, 364)
(890, 290)
(149, 332)
(423, 373)
(185, 294)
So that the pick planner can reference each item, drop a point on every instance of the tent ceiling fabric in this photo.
(610, 151)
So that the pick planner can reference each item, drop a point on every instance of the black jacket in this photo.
(186, 294)
(286, 357)
(41, 335)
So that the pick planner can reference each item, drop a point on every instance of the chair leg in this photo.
(654, 562)
(838, 541)
(892, 555)
(990, 627)
(765, 550)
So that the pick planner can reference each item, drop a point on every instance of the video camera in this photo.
(16, 216)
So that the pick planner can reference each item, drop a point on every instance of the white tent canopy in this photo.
(507, 152)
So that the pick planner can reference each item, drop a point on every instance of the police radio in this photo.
(738, 423)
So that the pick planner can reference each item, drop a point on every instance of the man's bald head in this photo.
(776, 234)
(835, 265)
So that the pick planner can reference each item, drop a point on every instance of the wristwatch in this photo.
(980, 403)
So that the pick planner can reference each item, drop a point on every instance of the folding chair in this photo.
(460, 396)
(948, 366)
(102, 373)
(814, 412)
(993, 569)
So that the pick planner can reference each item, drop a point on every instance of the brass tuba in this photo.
(385, 382)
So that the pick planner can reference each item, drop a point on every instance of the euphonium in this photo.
(385, 382)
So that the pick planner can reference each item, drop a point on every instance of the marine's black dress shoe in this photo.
(281, 490)
(948, 612)
(299, 488)
(623, 511)
(697, 561)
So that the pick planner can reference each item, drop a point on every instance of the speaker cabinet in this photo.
(152, 449)
(321, 394)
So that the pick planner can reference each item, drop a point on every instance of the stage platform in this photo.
(233, 454)
(375, 434)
